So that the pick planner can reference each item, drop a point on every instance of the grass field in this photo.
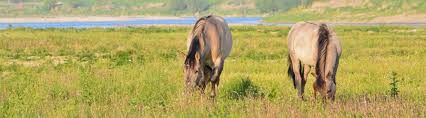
(368, 11)
(128, 72)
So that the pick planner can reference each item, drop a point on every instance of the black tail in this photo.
(323, 41)
(290, 71)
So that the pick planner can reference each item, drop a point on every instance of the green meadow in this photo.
(138, 71)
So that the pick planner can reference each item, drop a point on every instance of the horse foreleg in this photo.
(207, 74)
(217, 70)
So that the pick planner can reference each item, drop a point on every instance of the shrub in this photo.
(242, 88)
(87, 56)
(394, 84)
(122, 58)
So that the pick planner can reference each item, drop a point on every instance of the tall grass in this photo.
(129, 72)
(367, 11)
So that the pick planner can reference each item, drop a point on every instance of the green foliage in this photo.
(55, 80)
(82, 3)
(242, 88)
(177, 5)
(137, 7)
(280, 10)
(41, 52)
(87, 56)
(50, 4)
(122, 58)
(199, 5)
(88, 86)
(365, 12)
(394, 84)
(279, 5)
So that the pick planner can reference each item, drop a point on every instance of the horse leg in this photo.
(207, 74)
(306, 70)
(313, 72)
(217, 70)
(296, 70)
(203, 87)
(215, 85)
(316, 89)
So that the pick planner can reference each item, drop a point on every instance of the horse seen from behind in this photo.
(313, 45)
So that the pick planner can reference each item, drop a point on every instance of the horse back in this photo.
(303, 42)
(214, 36)
(219, 36)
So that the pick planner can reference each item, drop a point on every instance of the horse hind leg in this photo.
(318, 85)
(306, 71)
(316, 89)
(313, 73)
(297, 68)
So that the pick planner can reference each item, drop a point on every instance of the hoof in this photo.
(302, 98)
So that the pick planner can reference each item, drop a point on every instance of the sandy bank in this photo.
(419, 18)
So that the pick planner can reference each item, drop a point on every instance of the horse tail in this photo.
(323, 40)
(290, 71)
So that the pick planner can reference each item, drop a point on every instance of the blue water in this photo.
(135, 22)
(182, 21)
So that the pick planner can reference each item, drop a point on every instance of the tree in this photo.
(199, 6)
(49, 4)
(243, 8)
(82, 3)
(305, 3)
(8, 6)
(279, 5)
(177, 5)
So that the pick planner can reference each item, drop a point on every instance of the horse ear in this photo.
(182, 54)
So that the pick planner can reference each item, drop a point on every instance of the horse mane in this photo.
(193, 48)
(323, 41)
(195, 43)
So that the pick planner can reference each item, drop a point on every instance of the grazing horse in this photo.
(209, 43)
(313, 45)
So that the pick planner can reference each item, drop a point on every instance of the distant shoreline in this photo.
(418, 19)
(82, 19)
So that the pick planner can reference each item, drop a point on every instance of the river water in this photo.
(126, 23)
(182, 21)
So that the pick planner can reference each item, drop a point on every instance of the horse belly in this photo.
(208, 59)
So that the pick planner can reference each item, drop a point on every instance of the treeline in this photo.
(262, 6)
(143, 7)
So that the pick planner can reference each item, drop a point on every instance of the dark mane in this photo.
(323, 40)
(197, 31)
(199, 25)
(193, 48)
